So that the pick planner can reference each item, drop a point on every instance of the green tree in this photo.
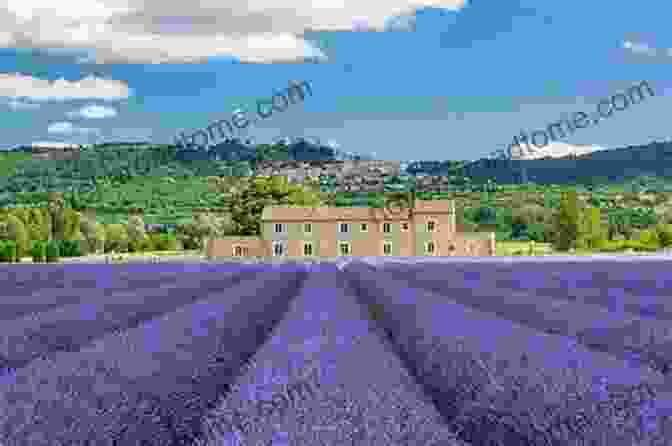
(620, 222)
(567, 221)
(71, 219)
(56, 206)
(36, 222)
(136, 233)
(649, 238)
(12, 228)
(53, 251)
(93, 233)
(4, 252)
(248, 202)
(203, 226)
(664, 233)
(116, 238)
(592, 232)
(12, 252)
(39, 251)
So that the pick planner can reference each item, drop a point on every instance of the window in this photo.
(343, 228)
(429, 248)
(279, 228)
(386, 228)
(278, 249)
(307, 228)
(237, 251)
(307, 249)
(431, 225)
(404, 226)
(387, 248)
(364, 227)
(344, 248)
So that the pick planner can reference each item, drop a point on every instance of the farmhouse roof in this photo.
(324, 213)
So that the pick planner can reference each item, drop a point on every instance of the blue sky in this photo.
(454, 79)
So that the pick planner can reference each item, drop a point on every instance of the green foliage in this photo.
(163, 242)
(11, 251)
(93, 234)
(624, 245)
(248, 202)
(649, 238)
(142, 245)
(664, 233)
(567, 222)
(70, 248)
(192, 234)
(13, 229)
(39, 251)
(116, 238)
(592, 231)
(53, 253)
(4, 252)
(35, 221)
(136, 229)
(71, 220)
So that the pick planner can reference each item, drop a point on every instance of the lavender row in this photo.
(12, 307)
(622, 334)
(25, 280)
(70, 327)
(631, 300)
(648, 278)
(474, 364)
(325, 378)
(102, 284)
(148, 385)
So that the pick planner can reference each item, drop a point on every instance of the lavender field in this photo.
(384, 352)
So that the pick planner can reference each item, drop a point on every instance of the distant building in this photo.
(56, 152)
(428, 230)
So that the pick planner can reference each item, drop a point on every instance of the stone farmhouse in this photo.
(427, 230)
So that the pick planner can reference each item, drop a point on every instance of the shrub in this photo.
(53, 251)
(39, 251)
(14, 229)
(11, 248)
(664, 235)
(94, 233)
(164, 242)
(3, 252)
(649, 239)
(135, 229)
(70, 248)
(116, 238)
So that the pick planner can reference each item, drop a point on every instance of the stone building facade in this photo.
(427, 230)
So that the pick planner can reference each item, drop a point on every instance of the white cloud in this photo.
(93, 112)
(156, 31)
(67, 128)
(17, 85)
(639, 48)
(15, 104)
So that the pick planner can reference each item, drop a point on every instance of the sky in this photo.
(396, 79)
